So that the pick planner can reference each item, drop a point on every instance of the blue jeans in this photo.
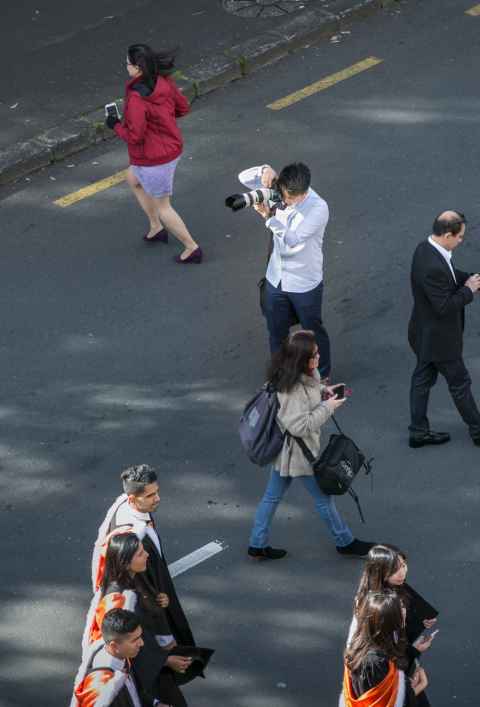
(283, 308)
(325, 505)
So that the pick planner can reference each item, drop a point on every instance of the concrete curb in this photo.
(84, 131)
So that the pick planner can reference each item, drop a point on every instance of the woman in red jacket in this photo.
(149, 127)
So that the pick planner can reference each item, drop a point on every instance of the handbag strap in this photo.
(337, 425)
(305, 449)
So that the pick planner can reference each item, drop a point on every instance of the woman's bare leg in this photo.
(175, 225)
(147, 203)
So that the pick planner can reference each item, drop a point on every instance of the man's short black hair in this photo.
(135, 478)
(294, 178)
(117, 623)
(451, 224)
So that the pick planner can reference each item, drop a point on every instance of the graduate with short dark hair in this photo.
(106, 677)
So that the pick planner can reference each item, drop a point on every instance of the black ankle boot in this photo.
(357, 548)
(266, 553)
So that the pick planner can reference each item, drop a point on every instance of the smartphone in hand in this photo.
(339, 391)
(111, 109)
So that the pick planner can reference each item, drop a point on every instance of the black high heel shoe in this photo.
(161, 236)
(195, 257)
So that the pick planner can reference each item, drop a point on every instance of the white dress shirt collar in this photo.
(446, 254)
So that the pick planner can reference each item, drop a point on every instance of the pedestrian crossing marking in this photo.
(325, 83)
(474, 11)
(92, 189)
(196, 557)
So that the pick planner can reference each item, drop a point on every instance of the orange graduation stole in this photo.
(382, 695)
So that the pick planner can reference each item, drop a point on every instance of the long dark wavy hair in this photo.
(382, 562)
(288, 364)
(120, 552)
(380, 628)
(151, 63)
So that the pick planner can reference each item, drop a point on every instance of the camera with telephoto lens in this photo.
(252, 198)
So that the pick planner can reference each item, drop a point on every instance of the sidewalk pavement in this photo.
(62, 64)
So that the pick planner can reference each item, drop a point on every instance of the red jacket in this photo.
(149, 125)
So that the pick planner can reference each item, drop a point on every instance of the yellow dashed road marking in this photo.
(474, 11)
(92, 189)
(324, 83)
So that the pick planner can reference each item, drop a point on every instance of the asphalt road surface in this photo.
(111, 354)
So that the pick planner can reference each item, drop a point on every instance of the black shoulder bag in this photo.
(338, 465)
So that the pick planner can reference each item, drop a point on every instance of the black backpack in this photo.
(338, 465)
(259, 432)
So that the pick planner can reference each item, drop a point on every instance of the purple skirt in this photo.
(156, 181)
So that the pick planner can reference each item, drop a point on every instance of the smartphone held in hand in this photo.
(111, 110)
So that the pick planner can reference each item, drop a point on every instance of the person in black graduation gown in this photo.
(161, 668)
(134, 509)
(386, 568)
(376, 661)
(106, 676)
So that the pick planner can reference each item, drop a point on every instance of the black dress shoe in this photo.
(357, 548)
(266, 553)
(423, 438)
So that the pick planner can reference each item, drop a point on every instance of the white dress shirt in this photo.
(298, 231)
(103, 659)
(446, 254)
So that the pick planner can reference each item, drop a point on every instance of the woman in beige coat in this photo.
(303, 410)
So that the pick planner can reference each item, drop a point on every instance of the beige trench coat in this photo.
(302, 413)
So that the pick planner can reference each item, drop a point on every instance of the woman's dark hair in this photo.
(380, 629)
(152, 64)
(120, 552)
(382, 562)
(288, 364)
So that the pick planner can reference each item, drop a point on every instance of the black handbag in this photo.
(338, 465)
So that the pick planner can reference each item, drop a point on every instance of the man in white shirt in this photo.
(440, 293)
(294, 278)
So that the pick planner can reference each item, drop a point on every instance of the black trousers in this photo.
(459, 384)
(283, 309)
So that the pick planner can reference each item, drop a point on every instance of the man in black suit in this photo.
(435, 332)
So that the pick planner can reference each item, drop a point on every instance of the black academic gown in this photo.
(418, 610)
(157, 580)
(158, 680)
(373, 670)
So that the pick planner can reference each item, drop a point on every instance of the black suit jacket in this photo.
(436, 326)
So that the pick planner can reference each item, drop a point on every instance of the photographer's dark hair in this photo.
(120, 552)
(294, 178)
(452, 225)
(380, 629)
(135, 478)
(288, 364)
(151, 63)
(382, 562)
(118, 623)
